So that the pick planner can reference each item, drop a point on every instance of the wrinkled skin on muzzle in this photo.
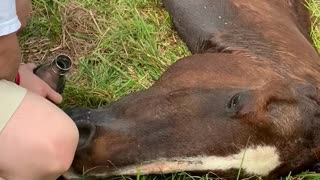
(245, 98)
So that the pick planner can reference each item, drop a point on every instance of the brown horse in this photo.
(247, 98)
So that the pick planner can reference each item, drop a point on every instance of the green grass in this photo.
(314, 7)
(118, 47)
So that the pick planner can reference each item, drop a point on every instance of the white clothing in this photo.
(9, 21)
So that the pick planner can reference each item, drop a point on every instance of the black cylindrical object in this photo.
(54, 73)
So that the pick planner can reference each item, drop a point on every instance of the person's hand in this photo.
(33, 83)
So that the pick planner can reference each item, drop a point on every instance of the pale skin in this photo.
(40, 140)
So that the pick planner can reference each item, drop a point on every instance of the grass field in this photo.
(118, 46)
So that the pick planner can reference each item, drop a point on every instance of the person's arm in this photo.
(9, 56)
(13, 18)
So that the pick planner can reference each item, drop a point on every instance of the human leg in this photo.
(38, 142)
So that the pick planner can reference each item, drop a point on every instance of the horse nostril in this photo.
(316, 168)
(86, 132)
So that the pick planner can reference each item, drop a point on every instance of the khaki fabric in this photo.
(11, 96)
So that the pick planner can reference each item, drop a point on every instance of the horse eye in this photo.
(234, 102)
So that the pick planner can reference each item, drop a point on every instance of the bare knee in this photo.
(40, 136)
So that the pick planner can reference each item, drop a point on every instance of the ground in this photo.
(118, 47)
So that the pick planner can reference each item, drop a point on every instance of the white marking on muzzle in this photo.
(259, 160)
